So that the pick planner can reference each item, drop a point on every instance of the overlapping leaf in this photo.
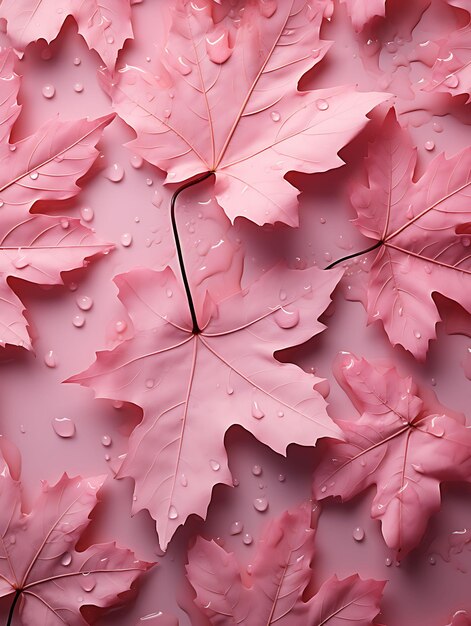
(38, 556)
(404, 442)
(362, 11)
(273, 594)
(424, 229)
(193, 387)
(104, 24)
(225, 100)
(44, 166)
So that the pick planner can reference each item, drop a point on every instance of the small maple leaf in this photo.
(104, 24)
(451, 71)
(422, 228)
(39, 565)
(193, 387)
(226, 100)
(363, 11)
(281, 571)
(44, 166)
(404, 442)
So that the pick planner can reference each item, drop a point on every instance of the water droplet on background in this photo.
(78, 321)
(84, 303)
(64, 427)
(358, 534)
(172, 513)
(48, 91)
(66, 559)
(256, 470)
(106, 440)
(260, 504)
(236, 528)
(126, 240)
(115, 173)
(50, 359)
(247, 539)
(87, 214)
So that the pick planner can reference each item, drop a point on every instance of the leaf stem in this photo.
(189, 297)
(351, 256)
(13, 605)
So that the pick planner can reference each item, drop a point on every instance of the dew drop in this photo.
(50, 359)
(465, 241)
(20, 262)
(217, 45)
(400, 311)
(126, 240)
(358, 534)
(110, 40)
(78, 321)
(84, 303)
(286, 319)
(172, 513)
(322, 220)
(106, 441)
(149, 182)
(323, 489)
(281, 478)
(236, 528)
(48, 91)
(34, 176)
(87, 582)
(388, 561)
(77, 61)
(247, 539)
(260, 504)
(432, 560)
(452, 81)
(87, 214)
(64, 427)
(157, 198)
(322, 105)
(268, 7)
(183, 480)
(429, 145)
(417, 334)
(169, 293)
(150, 382)
(427, 269)
(256, 470)
(437, 127)
(66, 559)
(275, 116)
(214, 465)
(257, 411)
(115, 173)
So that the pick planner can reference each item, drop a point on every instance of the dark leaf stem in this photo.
(12, 608)
(181, 261)
(354, 254)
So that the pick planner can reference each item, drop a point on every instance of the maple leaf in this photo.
(422, 228)
(104, 24)
(404, 442)
(281, 571)
(451, 71)
(193, 387)
(362, 11)
(39, 565)
(226, 101)
(44, 166)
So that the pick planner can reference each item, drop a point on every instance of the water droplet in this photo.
(260, 504)
(388, 561)
(256, 470)
(286, 319)
(236, 528)
(437, 127)
(247, 539)
(77, 61)
(1, 203)
(214, 465)
(358, 534)
(410, 212)
(323, 489)
(126, 240)
(400, 311)
(20, 262)
(87, 582)
(417, 334)
(327, 256)
(66, 559)
(78, 87)
(432, 560)
(12, 539)
(149, 182)
(169, 293)
(106, 441)
(120, 326)
(172, 513)
(281, 478)
(257, 411)
(322, 220)
(217, 45)
(268, 7)
(452, 81)
(64, 427)
(48, 91)
(87, 214)
(429, 145)
(280, 414)
(136, 161)
(78, 321)
(34, 176)
(275, 116)
(183, 480)
(110, 40)
(157, 198)
(84, 303)
(427, 269)
(150, 382)
(322, 105)
(115, 173)
(50, 359)
(465, 241)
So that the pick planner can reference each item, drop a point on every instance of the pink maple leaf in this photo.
(363, 11)
(273, 593)
(422, 228)
(40, 567)
(404, 442)
(104, 24)
(44, 166)
(193, 387)
(226, 100)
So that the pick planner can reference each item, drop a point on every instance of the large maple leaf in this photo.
(226, 101)
(39, 564)
(363, 11)
(44, 166)
(404, 442)
(422, 228)
(104, 24)
(193, 387)
(281, 571)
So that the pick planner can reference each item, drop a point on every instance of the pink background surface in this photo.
(31, 394)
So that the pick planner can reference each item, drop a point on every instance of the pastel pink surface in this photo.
(404, 442)
(425, 233)
(104, 24)
(273, 591)
(38, 554)
(202, 108)
(192, 388)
